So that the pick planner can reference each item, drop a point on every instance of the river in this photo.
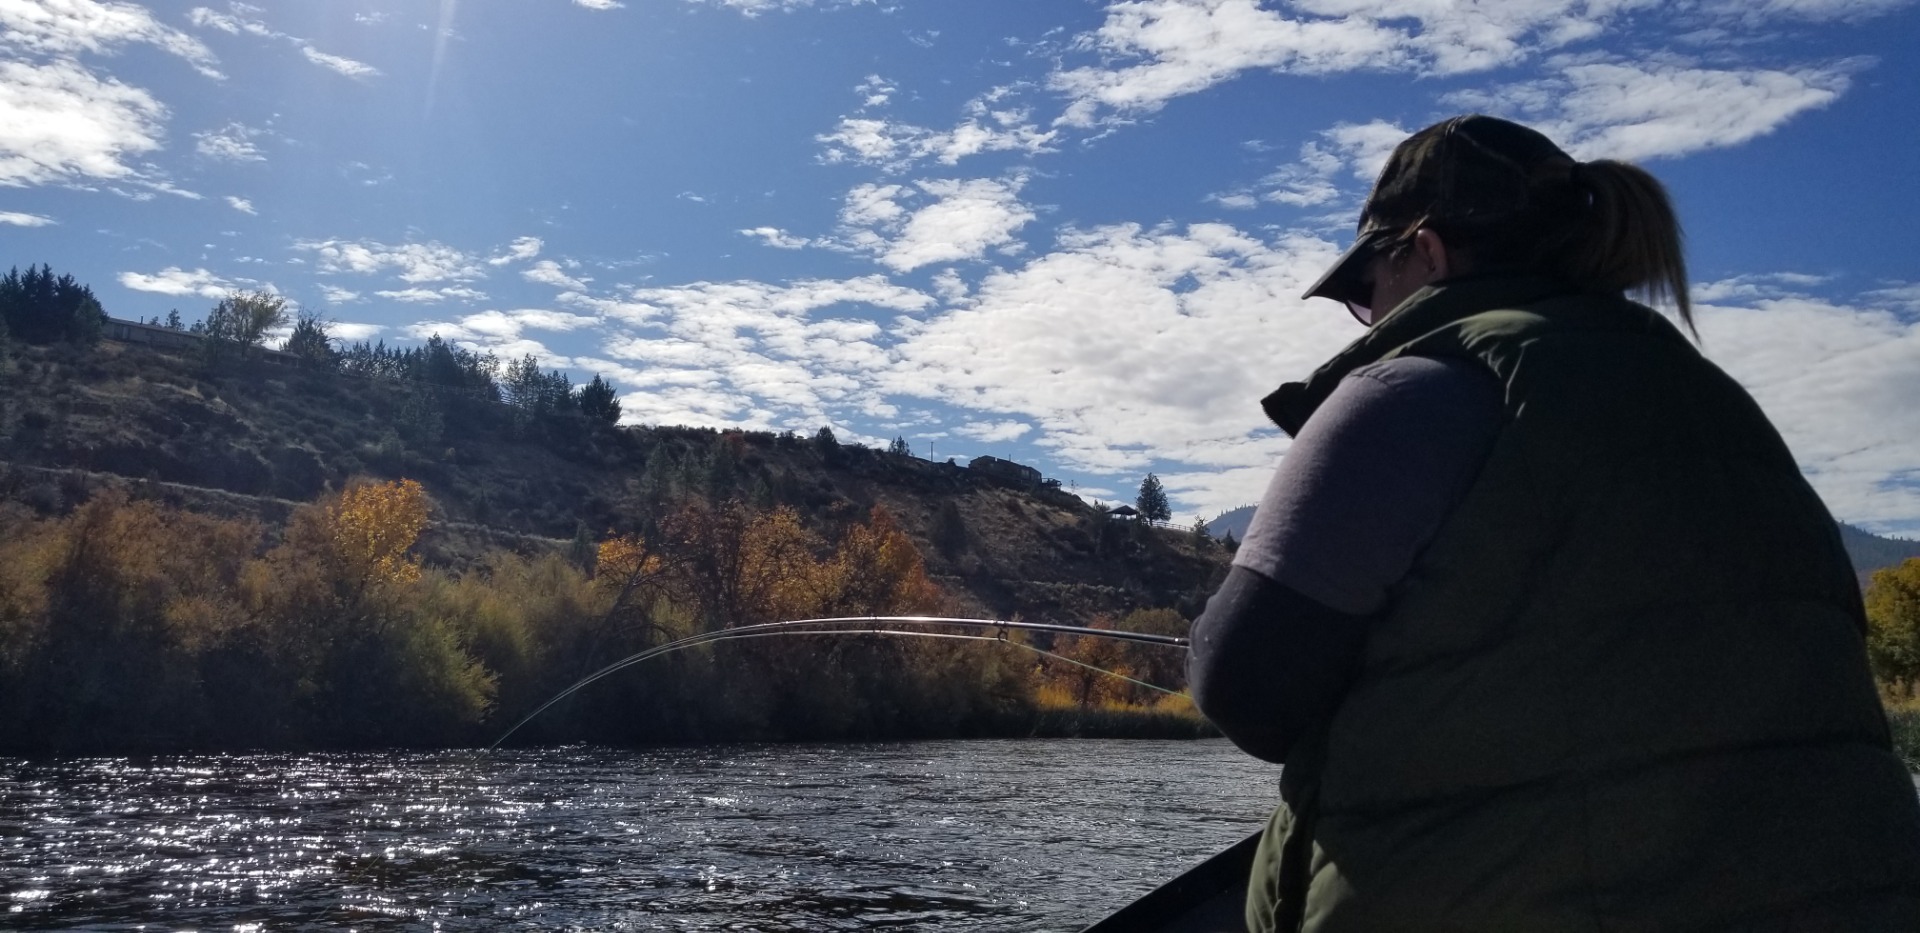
(1003, 835)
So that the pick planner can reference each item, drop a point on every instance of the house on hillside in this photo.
(1017, 474)
(173, 338)
(1124, 512)
(152, 335)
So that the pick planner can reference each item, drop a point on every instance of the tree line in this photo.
(130, 624)
(38, 307)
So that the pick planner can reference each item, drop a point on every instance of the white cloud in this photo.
(1154, 51)
(238, 22)
(414, 263)
(1750, 287)
(349, 330)
(345, 66)
(548, 272)
(338, 295)
(1125, 345)
(1649, 110)
(242, 205)
(777, 238)
(1757, 11)
(174, 280)
(71, 27)
(1904, 297)
(748, 353)
(61, 122)
(429, 296)
(994, 432)
(965, 219)
(230, 143)
(969, 217)
(875, 91)
(1182, 47)
(895, 146)
(522, 248)
(1839, 380)
(1320, 177)
(18, 219)
(504, 329)
(599, 4)
(753, 8)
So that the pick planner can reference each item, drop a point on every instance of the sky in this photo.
(1064, 232)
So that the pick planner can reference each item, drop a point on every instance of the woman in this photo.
(1538, 612)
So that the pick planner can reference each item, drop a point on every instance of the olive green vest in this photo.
(1624, 688)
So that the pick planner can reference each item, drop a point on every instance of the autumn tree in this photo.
(1893, 625)
(1089, 665)
(877, 570)
(242, 319)
(711, 542)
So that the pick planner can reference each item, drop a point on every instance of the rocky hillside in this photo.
(257, 435)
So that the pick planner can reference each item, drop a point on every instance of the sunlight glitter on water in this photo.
(977, 835)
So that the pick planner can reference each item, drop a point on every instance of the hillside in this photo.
(256, 436)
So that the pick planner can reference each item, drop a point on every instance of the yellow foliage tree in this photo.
(1893, 625)
(877, 570)
(781, 572)
(373, 526)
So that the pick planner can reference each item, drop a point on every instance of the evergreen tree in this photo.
(40, 308)
(900, 447)
(310, 342)
(1229, 543)
(597, 400)
(1201, 539)
(1152, 501)
(827, 446)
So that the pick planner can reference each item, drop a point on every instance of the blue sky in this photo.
(1071, 234)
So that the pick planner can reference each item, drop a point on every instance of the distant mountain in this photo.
(1869, 552)
(1235, 521)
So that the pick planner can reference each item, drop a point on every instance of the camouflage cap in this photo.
(1463, 172)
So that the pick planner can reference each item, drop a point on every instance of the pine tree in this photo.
(597, 400)
(1152, 501)
(309, 341)
(40, 308)
(827, 446)
(900, 447)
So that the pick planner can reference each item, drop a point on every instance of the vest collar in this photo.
(1423, 312)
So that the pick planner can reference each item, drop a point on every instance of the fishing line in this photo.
(844, 625)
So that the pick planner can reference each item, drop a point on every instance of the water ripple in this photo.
(988, 835)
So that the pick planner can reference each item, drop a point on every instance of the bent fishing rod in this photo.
(871, 625)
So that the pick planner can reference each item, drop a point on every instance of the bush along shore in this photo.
(131, 625)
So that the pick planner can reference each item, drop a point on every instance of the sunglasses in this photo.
(1355, 289)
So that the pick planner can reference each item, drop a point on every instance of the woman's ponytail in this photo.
(1630, 239)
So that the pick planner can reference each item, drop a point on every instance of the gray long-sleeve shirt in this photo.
(1363, 489)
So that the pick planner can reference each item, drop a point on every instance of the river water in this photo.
(979, 835)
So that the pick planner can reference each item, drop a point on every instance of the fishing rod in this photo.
(856, 625)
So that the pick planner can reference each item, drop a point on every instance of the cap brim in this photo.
(1343, 278)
